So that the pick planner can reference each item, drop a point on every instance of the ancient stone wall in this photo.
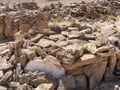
(61, 55)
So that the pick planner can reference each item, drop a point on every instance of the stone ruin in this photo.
(67, 55)
(16, 20)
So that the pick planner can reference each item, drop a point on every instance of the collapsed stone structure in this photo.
(17, 19)
(67, 55)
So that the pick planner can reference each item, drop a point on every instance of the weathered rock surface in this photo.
(53, 69)
(2, 26)
(61, 50)
(45, 87)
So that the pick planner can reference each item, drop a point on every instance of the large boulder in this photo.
(49, 65)
(92, 72)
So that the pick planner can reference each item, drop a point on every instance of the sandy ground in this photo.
(42, 3)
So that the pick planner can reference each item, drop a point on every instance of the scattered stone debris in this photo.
(60, 47)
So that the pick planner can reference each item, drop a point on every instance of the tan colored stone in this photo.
(76, 48)
(41, 21)
(65, 57)
(6, 76)
(95, 73)
(57, 37)
(40, 52)
(61, 43)
(110, 68)
(4, 52)
(104, 51)
(117, 53)
(24, 25)
(45, 43)
(112, 62)
(88, 57)
(91, 47)
(17, 35)
(9, 26)
(23, 60)
(73, 28)
(30, 54)
(2, 27)
(45, 87)
(18, 44)
(12, 59)
(37, 38)
(62, 25)
(100, 41)
(75, 25)
(76, 71)
(4, 66)
(85, 60)
(72, 41)
(33, 78)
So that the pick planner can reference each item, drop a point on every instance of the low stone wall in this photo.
(66, 55)
(21, 19)
(79, 58)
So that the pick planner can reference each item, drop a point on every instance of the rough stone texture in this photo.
(53, 69)
(30, 54)
(45, 43)
(6, 77)
(18, 86)
(95, 73)
(33, 79)
(73, 50)
(66, 83)
(9, 26)
(23, 60)
(45, 87)
(85, 60)
(37, 38)
(2, 27)
(40, 52)
(110, 68)
(4, 65)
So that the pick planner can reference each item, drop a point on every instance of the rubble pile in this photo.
(90, 10)
(66, 55)
(12, 22)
